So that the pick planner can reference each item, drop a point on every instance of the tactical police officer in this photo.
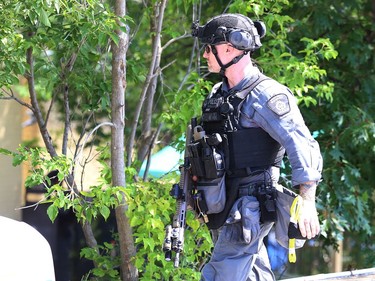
(257, 121)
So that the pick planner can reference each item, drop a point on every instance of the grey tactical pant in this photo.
(239, 253)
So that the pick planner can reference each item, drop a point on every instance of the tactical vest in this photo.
(245, 149)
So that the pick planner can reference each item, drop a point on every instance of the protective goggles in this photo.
(208, 47)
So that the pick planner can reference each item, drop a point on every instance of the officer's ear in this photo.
(229, 48)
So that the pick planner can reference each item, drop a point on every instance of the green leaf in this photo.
(114, 37)
(5, 152)
(43, 17)
(149, 242)
(98, 272)
(18, 159)
(108, 245)
(134, 221)
(88, 194)
(61, 202)
(89, 214)
(105, 212)
(52, 212)
(336, 153)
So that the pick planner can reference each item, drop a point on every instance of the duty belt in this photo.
(248, 190)
(266, 196)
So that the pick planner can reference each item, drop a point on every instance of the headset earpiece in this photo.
(240, 39)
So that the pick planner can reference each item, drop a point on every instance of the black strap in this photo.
(223, 67)
(247, 90)
(238, 98)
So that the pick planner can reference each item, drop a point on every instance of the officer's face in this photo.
(213, 65)
(209, 56)
(224, 52)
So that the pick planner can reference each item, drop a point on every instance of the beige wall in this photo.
(11, 196)
(12, 133)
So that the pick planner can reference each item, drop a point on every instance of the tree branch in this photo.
(35, 104)
(66, 119)
(153, 64)
(151, 147)
(11, 96)
(196, 16)
(166, 45)
(80, 150)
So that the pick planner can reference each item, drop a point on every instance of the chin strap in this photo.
(222, 66)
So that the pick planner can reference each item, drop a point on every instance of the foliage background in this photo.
(324, 51)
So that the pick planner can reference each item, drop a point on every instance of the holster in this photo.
(266, 195)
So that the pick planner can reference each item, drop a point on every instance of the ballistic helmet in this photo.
(236, 29)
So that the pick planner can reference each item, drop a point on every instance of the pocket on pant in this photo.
(245, 218)
(232, 233)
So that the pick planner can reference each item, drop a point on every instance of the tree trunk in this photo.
(127, 248)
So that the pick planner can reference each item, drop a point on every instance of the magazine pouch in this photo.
(211, 196)
(206, 160)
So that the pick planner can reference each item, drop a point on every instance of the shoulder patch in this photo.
(279, 104)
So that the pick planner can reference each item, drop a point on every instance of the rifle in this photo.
(174, 234)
